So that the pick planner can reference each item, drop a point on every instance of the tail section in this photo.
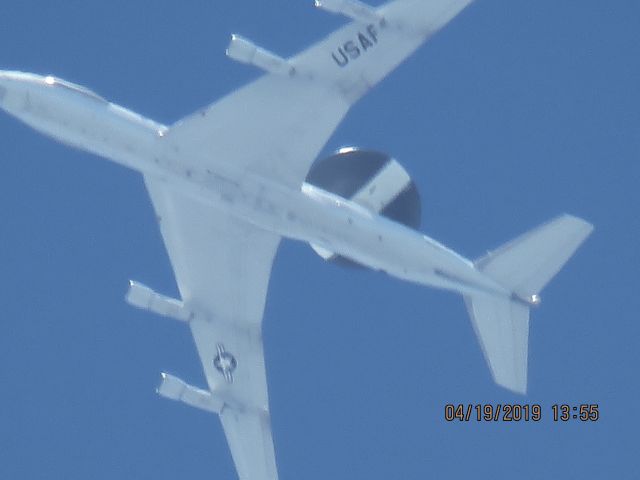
(502, 327)
(524, 265)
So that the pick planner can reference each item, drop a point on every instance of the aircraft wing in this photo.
(274, 127)
(277, 125)
(222, 267)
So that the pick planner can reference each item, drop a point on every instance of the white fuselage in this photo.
(78, 117)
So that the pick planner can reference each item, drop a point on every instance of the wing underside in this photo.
(222, 267)
(273, 128)
(277, 125)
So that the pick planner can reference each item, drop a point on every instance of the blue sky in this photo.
(516, 112)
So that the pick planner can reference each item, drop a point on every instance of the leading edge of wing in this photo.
(222, 267)
(222, 264)
(276, 125)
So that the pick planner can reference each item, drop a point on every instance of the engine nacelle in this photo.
(175, 389)
(373, 180)
(354, 9)
(143, 297)
(244, 51)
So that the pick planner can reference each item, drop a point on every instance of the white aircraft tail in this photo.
(524, 265)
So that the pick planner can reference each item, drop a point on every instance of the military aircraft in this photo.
(231, 180)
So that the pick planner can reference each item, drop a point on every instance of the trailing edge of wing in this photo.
(222, 267)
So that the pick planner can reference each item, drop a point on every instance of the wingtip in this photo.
(578, 221)
(514, 388)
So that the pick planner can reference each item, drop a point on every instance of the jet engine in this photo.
(373, 180)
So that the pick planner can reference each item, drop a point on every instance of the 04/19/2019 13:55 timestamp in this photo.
(501, 412)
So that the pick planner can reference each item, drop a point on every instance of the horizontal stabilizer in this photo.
(525, 265)
(502, 327)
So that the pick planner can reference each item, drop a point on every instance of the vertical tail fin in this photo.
(524, 265)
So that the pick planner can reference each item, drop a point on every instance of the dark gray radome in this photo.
(349, 170)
